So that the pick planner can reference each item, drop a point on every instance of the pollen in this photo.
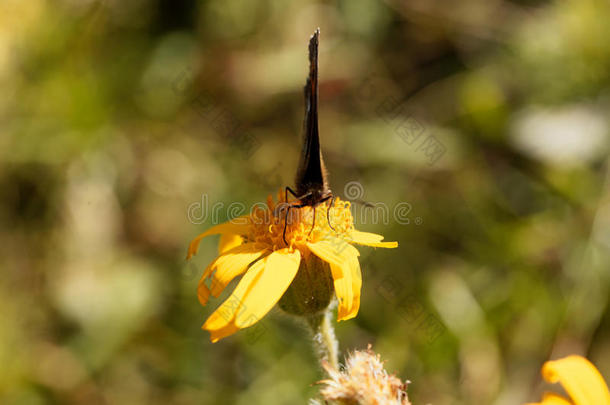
(333, 218)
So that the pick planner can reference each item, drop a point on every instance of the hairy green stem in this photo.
(324, 340)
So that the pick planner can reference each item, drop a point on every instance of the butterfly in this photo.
(311, 180)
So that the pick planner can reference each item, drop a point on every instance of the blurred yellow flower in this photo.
(253, 245)
(581, 380)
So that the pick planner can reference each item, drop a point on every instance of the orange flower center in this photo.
(270, 223)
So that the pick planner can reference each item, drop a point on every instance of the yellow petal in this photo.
(237, 226)
(330, 250)
(339, 254)
(350, 252)
(356, 286)
(228, 266)
(348, 283)
(343, 289)
(580, 379)
(258, 290)
(218, 334)
(280, 269)
(203, 292)
(222, 321)
(370, 239)
(232, 264)
(228, 241)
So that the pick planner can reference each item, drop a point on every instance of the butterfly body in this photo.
(311, 181)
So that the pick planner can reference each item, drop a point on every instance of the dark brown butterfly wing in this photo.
(311, 173)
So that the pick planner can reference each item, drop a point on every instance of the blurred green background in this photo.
(122, 124)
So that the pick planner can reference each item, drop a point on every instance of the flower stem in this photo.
(324, 340)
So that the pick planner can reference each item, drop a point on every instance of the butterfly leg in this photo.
(286, 224)
(332, 202)
(313, 222)
(294, 204)
(286, 203)
(288, 189)
(290, 206)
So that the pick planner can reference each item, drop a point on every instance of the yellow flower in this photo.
(580, 379)
(254, 246)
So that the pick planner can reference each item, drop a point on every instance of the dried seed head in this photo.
(364, 381)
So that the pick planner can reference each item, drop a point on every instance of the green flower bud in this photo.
(312, 289)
